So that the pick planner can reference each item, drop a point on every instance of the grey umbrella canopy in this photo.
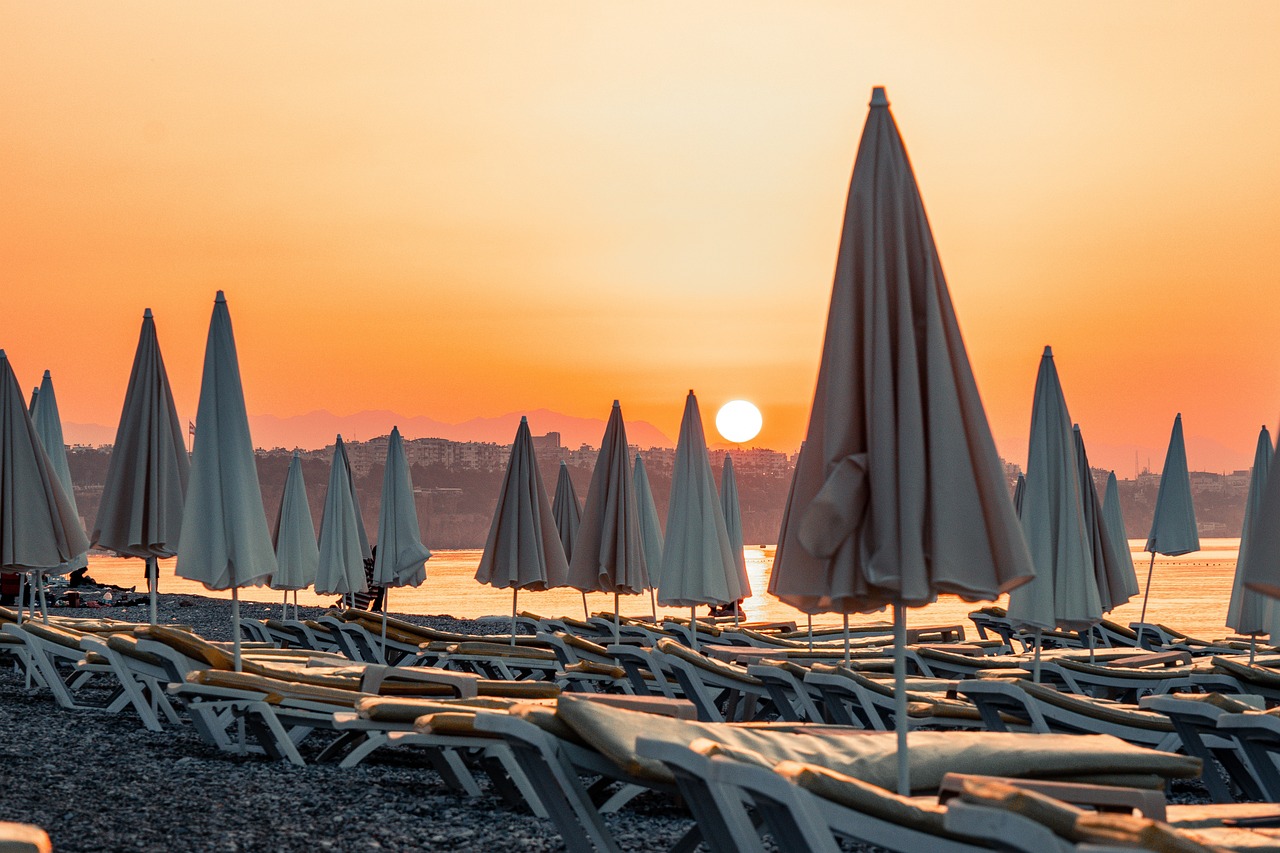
(1064, 591)
(48, 426)
(1112, 565)
(1173, 526)
(39, 527)
(523, 550)
(566, 510)
(1019, 489)
(1113, 517)
(1260, 563)
(401, 558)
(898, 492)
(343, 546)
(732, 510)
(698, 566)
(140, 514)
(225, 543)
(1249, 612)
(297, 554)
(608, 553)
(650, 525)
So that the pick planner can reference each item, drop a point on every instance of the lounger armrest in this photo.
(1146, 802)
(464, 684)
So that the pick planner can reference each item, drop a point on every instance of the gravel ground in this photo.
(98, 782)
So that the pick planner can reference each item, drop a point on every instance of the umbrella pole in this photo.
(515, 593)
(810, 615)
(152, 571)
(1092, 643)
(386, 594)
(617, 622)
(693, 625)
(900, 695)
(22, 591)
(235, 625)
(846, 640)
(1253, 646)
(284, 608)
(586, 614)
(653, 606)
(44, 608)
(1142, 620)
(735, 614)
(1036, 668)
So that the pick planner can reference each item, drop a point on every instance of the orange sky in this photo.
(458, 209)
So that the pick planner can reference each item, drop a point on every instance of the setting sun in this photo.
(739, 421)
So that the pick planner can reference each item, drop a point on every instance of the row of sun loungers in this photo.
(759, 732)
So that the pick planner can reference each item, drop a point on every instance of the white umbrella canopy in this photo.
(401, 558)
(343, 546)
(1113, 517)
(48, 426)
(732, 511)
(1064, 591)
(608, 553)
(140, 514)
(566, 510)
(1173, 526)
(1112, 565)
(1249, 612)
(39, 527)
(1260, 562)
(898, 492)
(225, 543)
(297, 554)
(650, 525)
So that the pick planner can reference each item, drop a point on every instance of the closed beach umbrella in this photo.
(140, 514)
(697, 557)
(48, 426)
(732, 510)
(1064, 591)
(567, 512)
(297, 554)
(650, 526)
(1112, 565)
(1259, 564)
(1249, 612)
(401, 559)
(225, 543)
(1019, 489)
(39, 527)
(608, 553)
(898, 492)
(1173, 527)
(523, 550)
(343, 546)
(1113, 517)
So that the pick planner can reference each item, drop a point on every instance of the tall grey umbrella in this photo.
(1249, 612)
(402, 558)
(650, 527)
(523, 550)
(1113, 517)
(1019, 489)
(898, 492)
(343, 546)
(140, 514)
(39, 527)
(294, 536)
(1113, 567)
(48, 426)
(1173, 527)
(1260, 562)
(1064, 591)
(225, 540)
(697, 557)
(732, 509)
(568, 515)
(608, 553)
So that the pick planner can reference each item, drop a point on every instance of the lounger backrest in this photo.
(862, 797)
(275, 689)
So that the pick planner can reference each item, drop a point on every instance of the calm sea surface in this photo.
(1189, 592)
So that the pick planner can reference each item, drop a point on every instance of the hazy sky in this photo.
(458, 209)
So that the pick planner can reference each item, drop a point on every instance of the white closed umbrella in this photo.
(1117, 535)
(140, 514)
(39, 527)
(650, 527)
(1173, 526)
(294, 537)
(401, 558)
(523, 550)
(225, 543)
(608, 553)
(732, 509)
(1249, 612)
(1113, 567)
(343, 546)
(898, 492)
(48, 426)
(567, 512)
(698, 566)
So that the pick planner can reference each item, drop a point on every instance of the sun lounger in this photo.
(793, 700)
(23, 838)
(54, 660)
(720, 691)
(852, 698)
(1123, 681)
(1228, 772)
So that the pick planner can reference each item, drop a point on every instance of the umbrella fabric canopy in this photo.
(898, 492)
(697, 557)
(566, 510)
(608, 554)
(1112, 565)
(650, 526)
(48, 426)
(1260, 563)
(141, 510)
(1064, 591)
(1114, 519)
(401, 558)
(297, 554)
(732, 511)
(343, 546)
(1249, 612)
(38, 525)
(1173, 526)
(1019, 489)
(523, 550)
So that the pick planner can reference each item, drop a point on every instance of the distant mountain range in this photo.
(317, 429)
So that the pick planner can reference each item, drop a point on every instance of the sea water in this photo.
(1189, 592)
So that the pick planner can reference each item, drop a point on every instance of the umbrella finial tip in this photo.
(524, 419)
(616, 404)
(1048, 352)
(46, 375)
(146, 313)
(878, 97)
(2, 355)
(221, 297)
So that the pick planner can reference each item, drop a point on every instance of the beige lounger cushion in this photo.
(859, 796)
(1116, 713)
(726, 670)
(502, 650)
(382, 709)
(590, 667)
(276, 690)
